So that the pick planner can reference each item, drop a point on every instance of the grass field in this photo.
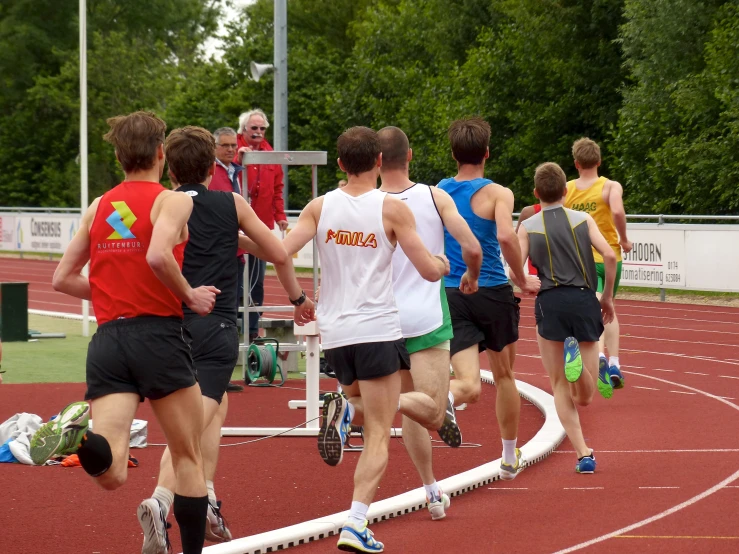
(60, 360)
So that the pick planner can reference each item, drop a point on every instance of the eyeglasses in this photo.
(228, 146)
(255, 127)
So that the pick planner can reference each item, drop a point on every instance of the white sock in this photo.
(451, 397)
(602, 355)
(358, 513)
(165, 498)
(352, 410)
(433, 492)
(509, 451)
(211, 493)
(613, 360)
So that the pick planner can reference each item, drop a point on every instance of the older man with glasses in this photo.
(265, 184)
(226, 179)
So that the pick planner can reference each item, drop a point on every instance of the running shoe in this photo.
(335, 426)
(437, 508)
(449, 430)
(573, 360)
(605, 388)
(461, 408)
(586, 464)
(617, 378)
(154, 525)
(216, 528)
(354, 538)
(508, 471)
(62, 435)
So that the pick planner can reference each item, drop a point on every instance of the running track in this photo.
(665, 442)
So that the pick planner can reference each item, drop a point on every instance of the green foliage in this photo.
(653, 81)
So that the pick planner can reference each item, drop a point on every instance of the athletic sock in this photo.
(211, 493)
(602, 355)
(450, 396)
(191, 513)
(358, 513)
(509, 451)
(433, 492)
(613, 360)
(165, 497)
(95, 454)
(352, 411)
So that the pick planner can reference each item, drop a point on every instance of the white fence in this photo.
(670, 256)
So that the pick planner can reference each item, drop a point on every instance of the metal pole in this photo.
(83, 145)
(280, 91)
(314, 190)
(661, 221)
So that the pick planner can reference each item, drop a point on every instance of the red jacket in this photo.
(265, 187)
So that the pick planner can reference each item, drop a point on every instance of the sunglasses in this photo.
(255, 127)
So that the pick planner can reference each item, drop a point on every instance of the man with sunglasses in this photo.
(265, 184)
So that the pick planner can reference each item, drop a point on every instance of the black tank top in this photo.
(210, 254)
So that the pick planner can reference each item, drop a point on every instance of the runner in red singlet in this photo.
(134, 237)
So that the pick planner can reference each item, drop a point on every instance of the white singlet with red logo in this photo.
(357, 303)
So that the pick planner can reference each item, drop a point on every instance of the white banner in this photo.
(7, 232)
(44, 232)
(656, 260)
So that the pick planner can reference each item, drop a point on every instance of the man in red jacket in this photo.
(265, 184)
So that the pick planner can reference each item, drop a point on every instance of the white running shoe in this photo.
(509, 472)
(437, 509)
(154, 525)
(216, 528)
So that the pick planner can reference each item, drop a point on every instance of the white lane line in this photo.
(507, 489)
(659, 487)
(728, 377)
(634, 366)
(650, 308)
(730, 479)
(645, 388)
(681, 392)
(727, 397)
(696, 373)
(583, 488)
(676, 355)
(680, 329)
(680, 451)
(666, 370)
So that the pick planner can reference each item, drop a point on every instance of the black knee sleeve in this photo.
(191, 513)
(95, 454)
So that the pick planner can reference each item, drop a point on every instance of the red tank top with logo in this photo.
(123, 285)
(532, 269)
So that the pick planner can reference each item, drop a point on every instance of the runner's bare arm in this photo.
(509, 246)
(458, 228)
(306, 227)
(616, 203)
(266, 246)
(526, 213)
(167, 233)
(403, 224)
(609, 259)
(523, 241)
(68, 276)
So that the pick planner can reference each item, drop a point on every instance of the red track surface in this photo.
(548, 508)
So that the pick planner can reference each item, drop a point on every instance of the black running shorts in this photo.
(362, 362)
(488, 318)
(148, 356)
(564, 312)
(215, 350)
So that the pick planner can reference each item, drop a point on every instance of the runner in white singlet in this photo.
(424, 313)
(357, 229)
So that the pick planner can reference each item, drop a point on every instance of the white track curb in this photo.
(539, 447)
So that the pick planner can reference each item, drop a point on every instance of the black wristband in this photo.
(299, 301)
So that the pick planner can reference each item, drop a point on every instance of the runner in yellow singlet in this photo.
(602, 199)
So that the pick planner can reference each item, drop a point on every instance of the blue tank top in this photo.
(492, 272)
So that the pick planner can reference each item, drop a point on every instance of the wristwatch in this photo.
(299, 301)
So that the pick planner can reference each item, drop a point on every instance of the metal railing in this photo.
(24, 209)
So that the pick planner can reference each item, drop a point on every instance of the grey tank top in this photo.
(560, 248)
